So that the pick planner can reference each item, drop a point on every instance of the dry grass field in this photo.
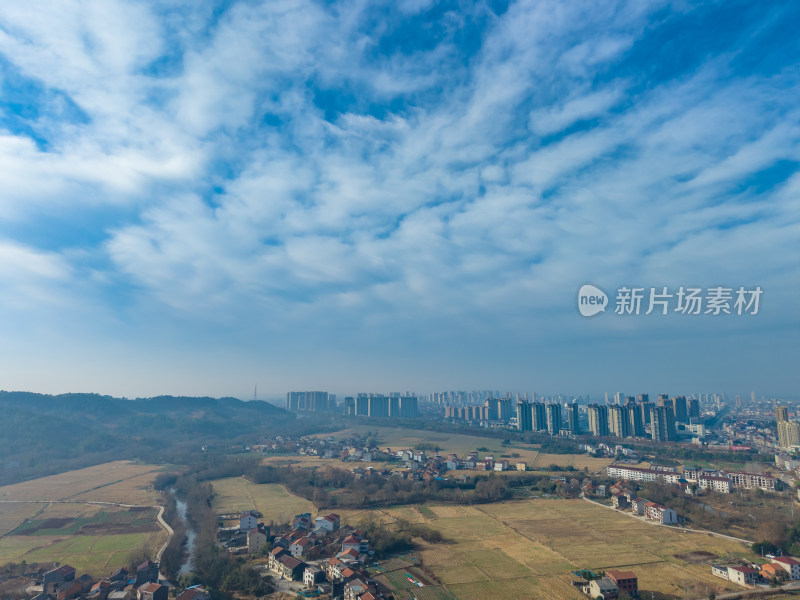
(120, 481)
(578, 461)
(51, 520)
(12, 514)
(235, 494)
(527, 548)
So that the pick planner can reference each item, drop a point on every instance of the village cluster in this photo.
(61, 583)
(411, 463)
(320, 552)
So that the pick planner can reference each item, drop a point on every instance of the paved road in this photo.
(795, 585)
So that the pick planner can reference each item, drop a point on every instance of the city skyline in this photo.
(198, 197)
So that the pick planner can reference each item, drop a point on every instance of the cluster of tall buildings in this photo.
(628, 417)
(460, 398)
(492, 409)
(788, 431)
(538, 416)
(377, 405)
(310, 401)
(631, 418)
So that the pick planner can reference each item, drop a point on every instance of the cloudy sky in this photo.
(196, 197)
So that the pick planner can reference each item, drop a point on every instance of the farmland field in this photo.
(95, 554)
(52, 519)
(235, 494)
(120, 481)
(524, 549)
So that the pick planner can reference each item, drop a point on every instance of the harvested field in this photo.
(121, 481)
(274, 501)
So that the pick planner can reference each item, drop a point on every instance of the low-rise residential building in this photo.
(662, 514)
(152, 591)
(637, 505)
(603, 588)
(312, 576)
(619, 501)
(56, 578)
(300, 548)
(288, 567)
(355, 542)
(628, 473)
(69, 590)
(248, 520)
(744, 576)
(256, 540)
(626, 581)
(328, 522)
(196, 592)
(750, 481)
(770, 572)
(715, 484)
(788, 564)
(720, 571)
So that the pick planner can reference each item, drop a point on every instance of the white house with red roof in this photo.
(328, 522)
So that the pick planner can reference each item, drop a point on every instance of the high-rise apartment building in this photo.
(539, 416)
(524, 417)
(573, 422)
(635, 421)
(681, 409)
(788, 431)
(618, 421)
(553, 418)
(694, 409)
(662, 424)
(307, 401)
(598, 419)
(788, 434)
(646, 410)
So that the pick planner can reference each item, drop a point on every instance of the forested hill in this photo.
(42, 434)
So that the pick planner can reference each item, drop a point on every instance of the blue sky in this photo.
(199, 196)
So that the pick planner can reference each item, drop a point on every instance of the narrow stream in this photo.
(188, 564)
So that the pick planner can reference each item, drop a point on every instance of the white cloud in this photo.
(424, 202)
